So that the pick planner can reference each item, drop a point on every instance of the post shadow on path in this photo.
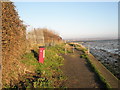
(35, 54)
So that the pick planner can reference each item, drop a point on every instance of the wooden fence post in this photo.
(65, 48)
(73, 48)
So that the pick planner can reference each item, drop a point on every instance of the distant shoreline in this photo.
(89, 40)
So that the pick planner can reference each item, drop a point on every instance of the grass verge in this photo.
(99, 76)
(47, 75)
(78, 47)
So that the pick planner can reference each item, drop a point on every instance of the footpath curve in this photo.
(79, 73)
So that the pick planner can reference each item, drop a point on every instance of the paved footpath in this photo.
(78, 72)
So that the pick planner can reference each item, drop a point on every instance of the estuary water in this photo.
(111, 46)
(107, 52)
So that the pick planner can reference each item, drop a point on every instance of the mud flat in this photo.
(107, 53)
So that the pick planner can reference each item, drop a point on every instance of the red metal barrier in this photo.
(41, 54)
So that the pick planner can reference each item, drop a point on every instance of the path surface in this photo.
(78, 73)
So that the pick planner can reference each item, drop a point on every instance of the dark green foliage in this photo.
(84, 56)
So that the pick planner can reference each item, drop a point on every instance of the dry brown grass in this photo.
(13, 43)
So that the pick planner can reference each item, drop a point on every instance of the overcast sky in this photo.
(72, 20)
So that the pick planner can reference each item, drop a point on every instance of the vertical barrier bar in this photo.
(65, 48)
(73, 47)
(65, 51)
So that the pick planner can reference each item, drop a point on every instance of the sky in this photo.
(72, 20)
